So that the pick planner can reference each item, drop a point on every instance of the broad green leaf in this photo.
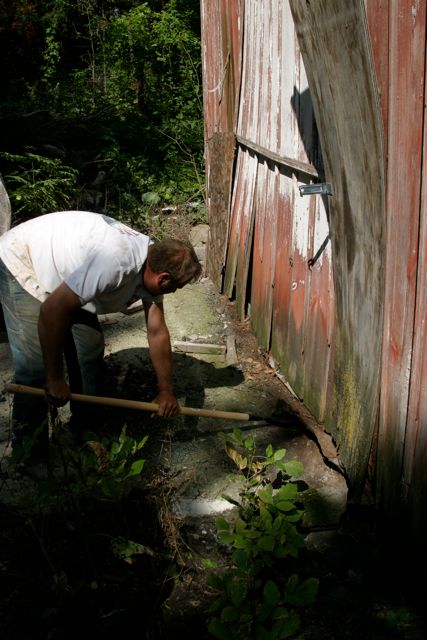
(266, 518)
(266, 543)
(221, 523)
(292, 583)
(287, 491)
(237, 591)
(249, 444)
(279, 454)
(218, 630)
(136, 468)
(251, 534)
(125, 549)
(244, 541)
(229, 614)
(241, 559)
(294, 517)
(284, 505)
(271, 593)
(294, 468)
(240, 526)
(263, 612)
(278, 522)
(215, 581)
(288, 627)
(141, 443)
(266, 494)
(304, 594)
(226, 537)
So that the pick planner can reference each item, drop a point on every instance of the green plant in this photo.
(25, 448)
(258, 596)
(100, 470)
(81, 541)
(108, 466)
(110, 86)
(37, 184)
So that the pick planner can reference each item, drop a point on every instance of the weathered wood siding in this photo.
(399, 42)
(274, 232)
(336, 50)
(336, 286)
(221, 51)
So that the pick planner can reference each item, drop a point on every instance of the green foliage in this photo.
(397, 619)
(127, 550)
(115, 87)
(80, 549)
(257, 596)
(37, 184)
(107, 466)
(23, 449)
(100, 470)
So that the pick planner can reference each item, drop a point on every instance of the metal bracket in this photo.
(322, 188)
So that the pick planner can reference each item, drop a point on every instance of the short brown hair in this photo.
(177, 257)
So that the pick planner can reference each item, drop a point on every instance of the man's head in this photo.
(171, 264)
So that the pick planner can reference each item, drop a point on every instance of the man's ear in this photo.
(164, 278)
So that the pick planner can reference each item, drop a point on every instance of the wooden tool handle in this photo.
(133, 404)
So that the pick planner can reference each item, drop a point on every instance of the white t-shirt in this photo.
(100, 259)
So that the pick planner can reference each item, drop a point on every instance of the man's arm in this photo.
(54, 321)
(161, 357)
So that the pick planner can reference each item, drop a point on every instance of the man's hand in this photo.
(58, 392)
(168, 404)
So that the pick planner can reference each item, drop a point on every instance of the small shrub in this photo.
(258, 597)
(105, 466)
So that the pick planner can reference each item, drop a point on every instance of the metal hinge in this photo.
(321, 188)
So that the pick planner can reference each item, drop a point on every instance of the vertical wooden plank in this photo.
(246, 234)
(275, 48)
(318, 335)
(264, 254)
(377, 12)
(415, 455)
(299, 258)
(283, 274)
(220, 150)
(221, 46)
(232, 14)
(337, 57)
(237, 203)
(289, 86)
(248, 111)
(406, 109)
(241, 214)
(214, 61)
(263, 124)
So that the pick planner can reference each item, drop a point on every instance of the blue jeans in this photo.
(83, 352)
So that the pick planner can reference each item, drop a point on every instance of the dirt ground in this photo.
(53, 568)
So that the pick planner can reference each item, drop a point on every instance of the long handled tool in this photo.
(134, 404)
